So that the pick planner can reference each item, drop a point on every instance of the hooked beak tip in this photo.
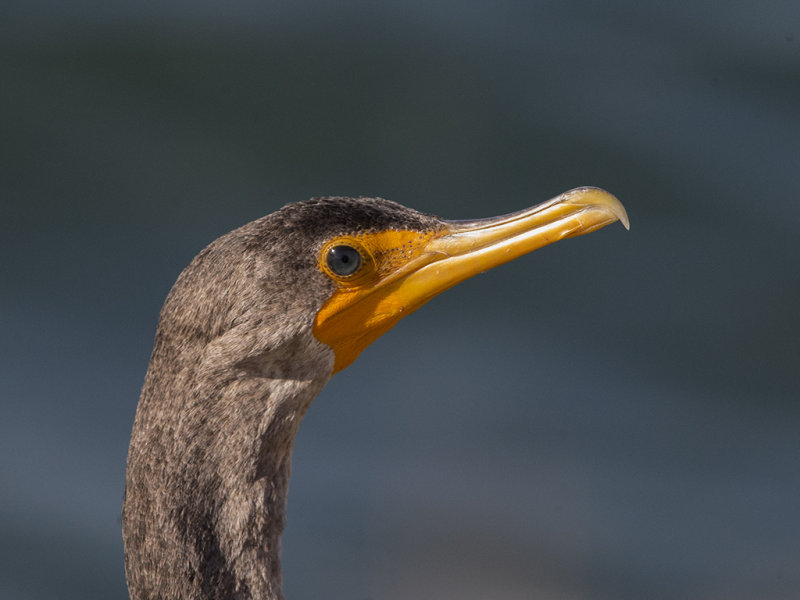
(598, 199)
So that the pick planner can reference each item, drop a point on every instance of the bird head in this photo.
(343, 271)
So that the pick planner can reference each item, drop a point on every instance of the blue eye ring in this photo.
(344, 260)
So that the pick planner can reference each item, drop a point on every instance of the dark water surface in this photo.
(613, 417)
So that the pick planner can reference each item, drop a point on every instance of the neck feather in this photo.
(208, 471)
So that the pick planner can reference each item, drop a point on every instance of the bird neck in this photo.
(208, 475)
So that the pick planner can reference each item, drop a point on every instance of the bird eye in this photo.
(344, 260)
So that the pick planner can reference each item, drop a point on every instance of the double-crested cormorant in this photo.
(250, 333)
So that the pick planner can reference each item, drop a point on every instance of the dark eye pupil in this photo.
(344, 260)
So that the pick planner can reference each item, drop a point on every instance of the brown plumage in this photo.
(236, 363)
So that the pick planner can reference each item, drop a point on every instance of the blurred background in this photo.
(615, 416)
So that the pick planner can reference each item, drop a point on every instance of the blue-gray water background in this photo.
(615, 416)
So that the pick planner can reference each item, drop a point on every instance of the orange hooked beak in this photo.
(404, 269)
